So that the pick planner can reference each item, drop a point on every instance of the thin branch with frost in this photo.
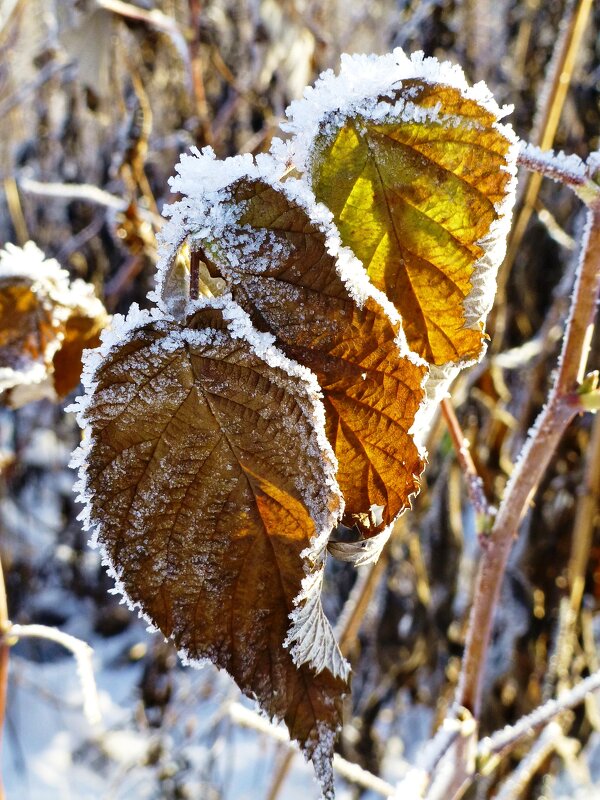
(517, 782)
(82, 652)
(154, 18)
(532, 463)
(473, 481)
(511, 734)
(349, 771)
(87, 193)
(567, 169)
(542, 441)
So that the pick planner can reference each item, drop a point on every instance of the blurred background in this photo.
(98, 99)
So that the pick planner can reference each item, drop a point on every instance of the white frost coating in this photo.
(483, 280)
(30, 262)
(51, 284)
(555, 163)
(123, 328)
(355, 91)
(310, 637)
(46, 274)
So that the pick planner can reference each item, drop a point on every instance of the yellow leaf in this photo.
(420, 187)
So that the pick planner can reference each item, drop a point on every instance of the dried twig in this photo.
(473, 480)
(83, 656)
(552, 99)
(154, 18)
(87, 193)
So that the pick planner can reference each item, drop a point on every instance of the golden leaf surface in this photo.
(280, 271)
(204, 476)
(415, 199)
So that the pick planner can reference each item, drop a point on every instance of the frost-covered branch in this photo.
(535, 456)
(567, 169)
(82, 652)
(511, 734)
(517, 782)
(474, 483)
(87, 193)
(349, 771)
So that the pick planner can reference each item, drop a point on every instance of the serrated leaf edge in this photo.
(321, 651)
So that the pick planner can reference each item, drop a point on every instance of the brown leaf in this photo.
(46, 322)
(277, 262)
(29, 332)
(206, 479)
(87, 319)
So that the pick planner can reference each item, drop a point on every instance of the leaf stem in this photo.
(529, 470)
(195, 259)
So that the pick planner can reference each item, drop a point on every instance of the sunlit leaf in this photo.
(211, 489)
(418, 177)
(323, 314)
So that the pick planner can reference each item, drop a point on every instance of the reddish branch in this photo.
(543, 440)
(474, 482)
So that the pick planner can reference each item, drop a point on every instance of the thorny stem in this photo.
(535, 456)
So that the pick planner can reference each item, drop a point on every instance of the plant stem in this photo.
(465, 459)
(529, 470)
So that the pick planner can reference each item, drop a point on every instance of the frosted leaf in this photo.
(46, 322)
(420, 176)
(210, 487)
(281, 257)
